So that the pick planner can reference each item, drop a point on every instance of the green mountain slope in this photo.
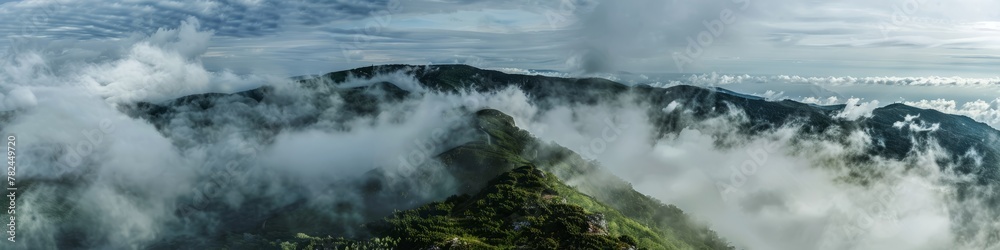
(523, 208)
(521, 202)
(487, 147)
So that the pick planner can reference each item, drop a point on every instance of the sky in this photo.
(934, 49)
(68, 64)
(852, 37)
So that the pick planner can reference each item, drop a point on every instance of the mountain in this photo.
(510, 186)
(957, 134)
(629, 218)
(514, 197)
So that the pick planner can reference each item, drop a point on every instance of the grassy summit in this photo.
(519, 201)
(330, 209)
(523, 208)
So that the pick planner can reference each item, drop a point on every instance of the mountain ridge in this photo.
(891, 140)
(637, 221)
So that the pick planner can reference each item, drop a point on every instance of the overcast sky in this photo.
(70, 63)
(847, 37)
(927, 53)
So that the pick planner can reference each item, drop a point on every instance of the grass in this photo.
(519, 209)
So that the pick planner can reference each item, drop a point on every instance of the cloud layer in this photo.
(754, 36)
(72, 65)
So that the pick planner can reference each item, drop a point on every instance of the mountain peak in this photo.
(494, 147)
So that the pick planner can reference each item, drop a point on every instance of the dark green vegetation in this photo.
(956, 134)
(482, 167)
(521, 206)
(628, 213)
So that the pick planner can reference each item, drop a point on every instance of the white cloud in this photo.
(956, 95)
(635, 35)
(983, 111)
(820, 101)
(17, 98)
(913, 124)
(166, 64)
(86, 57)
(727, 79)
(672, 106)
(778, 190)
(855, 109)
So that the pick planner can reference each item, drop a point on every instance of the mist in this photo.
(98, 177)
(780, 189)
(102, 177)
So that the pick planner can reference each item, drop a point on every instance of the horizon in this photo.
(774, 37)
(230, 124)
(967, 100)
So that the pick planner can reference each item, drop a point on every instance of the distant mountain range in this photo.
(512, 196)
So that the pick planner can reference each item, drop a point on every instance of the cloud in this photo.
(954, 95)
(17, 98)
(235, 157)
(631, 30)
(779, 189)
(983, 111)
(194, 145)
(855, 109)
(74, 64)
(726, 79)
(910, 122)
(164, 65)
(572, 35)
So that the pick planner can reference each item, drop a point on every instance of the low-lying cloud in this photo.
(94, 185)
(784, 190)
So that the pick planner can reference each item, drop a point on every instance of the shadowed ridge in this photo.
(498, 146)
